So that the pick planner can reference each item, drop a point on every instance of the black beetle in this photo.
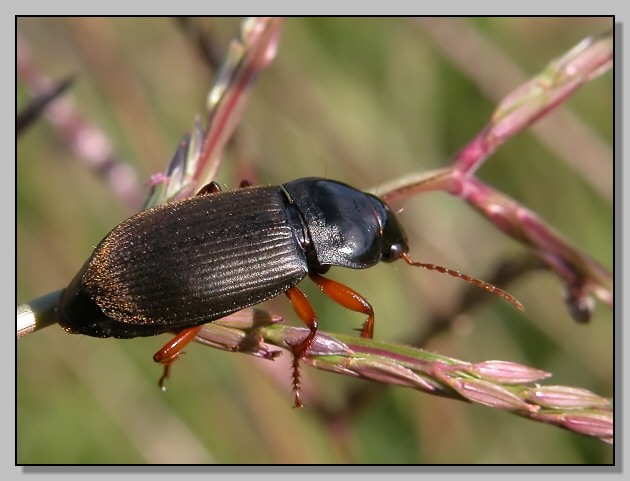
(177, 266)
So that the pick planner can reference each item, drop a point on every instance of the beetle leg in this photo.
(305, 311)
(171, 351)
(349, 299)
(211, 188)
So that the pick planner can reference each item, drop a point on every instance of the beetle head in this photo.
(347, 227)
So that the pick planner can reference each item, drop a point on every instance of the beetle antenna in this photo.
(479, 283)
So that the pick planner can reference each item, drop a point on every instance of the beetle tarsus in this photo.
(296, 382)
(299, 351)
(165, 375)
(305, 311)
(171, 351)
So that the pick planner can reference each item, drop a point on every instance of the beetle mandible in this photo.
(182, 264)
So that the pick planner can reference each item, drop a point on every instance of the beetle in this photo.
(182, 264)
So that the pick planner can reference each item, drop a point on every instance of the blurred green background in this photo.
(363, 101)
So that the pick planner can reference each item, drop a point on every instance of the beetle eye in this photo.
(394, 253)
